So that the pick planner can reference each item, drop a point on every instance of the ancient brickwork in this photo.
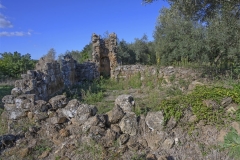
(104, 53)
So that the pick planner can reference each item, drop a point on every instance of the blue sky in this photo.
(35, 26)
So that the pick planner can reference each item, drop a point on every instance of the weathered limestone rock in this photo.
(8, 99)
(70, 110)
(97, 132)
(211, 104)
(40, 106)
(25, 101)
(168, 143)
(155, 120)
(115, 115)
(154, 139)
(16, 91)
(9, 107)
(92, 121)
(226, 101)
(58, 120)
(85, 111)
(151, 157)
(129, 124)
(133, 143)
(109, 138)
(116, 129)
(40, 116)
(125, 102)
(123, 139)
(59, 101)
(16, 114)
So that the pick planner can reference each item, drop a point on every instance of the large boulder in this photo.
(155, 120)
(70, 110)
(85, 111)
(115, 115)
(129, 124)
(126, 102)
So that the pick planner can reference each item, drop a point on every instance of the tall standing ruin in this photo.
(104, 53)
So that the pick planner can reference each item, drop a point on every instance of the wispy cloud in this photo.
(1, 6)
(15, 34)
(4, 23)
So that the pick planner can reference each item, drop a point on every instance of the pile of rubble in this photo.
(66, 125)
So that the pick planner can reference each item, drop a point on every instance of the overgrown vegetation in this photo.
(12, 65)
(232, 143)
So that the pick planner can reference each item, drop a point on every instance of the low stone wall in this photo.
(126, 71)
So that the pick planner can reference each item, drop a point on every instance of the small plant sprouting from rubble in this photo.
(232, 143)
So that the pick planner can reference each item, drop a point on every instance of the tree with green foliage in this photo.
(15, 64)
(204, 9)
(125, 54)
(86, 53)
(177, 38)
(205, 32)
(141, 49)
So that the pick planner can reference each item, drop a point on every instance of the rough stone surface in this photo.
(226, 101)
(211, 104)
(168, 143)
(115, 115)
(155, 120)
(59, 101)
(154, 139)
(8, 99)
(129, 124)
(125, 102)
(104, 53)
(85, 111)
(151, 157)
(70, 110)
(123, 139)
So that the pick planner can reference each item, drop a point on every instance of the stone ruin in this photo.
(51, 77)
(104, 53)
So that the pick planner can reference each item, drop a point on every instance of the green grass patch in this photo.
(175, 106)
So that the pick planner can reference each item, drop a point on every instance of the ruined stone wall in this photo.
(50, 78)
(104, 53)
(126, 71)
(43, 82)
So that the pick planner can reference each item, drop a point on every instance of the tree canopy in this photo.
(15, 64)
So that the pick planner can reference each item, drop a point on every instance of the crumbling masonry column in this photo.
(104, 53)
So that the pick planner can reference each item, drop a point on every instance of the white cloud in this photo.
(15, 34)
(4, 23)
